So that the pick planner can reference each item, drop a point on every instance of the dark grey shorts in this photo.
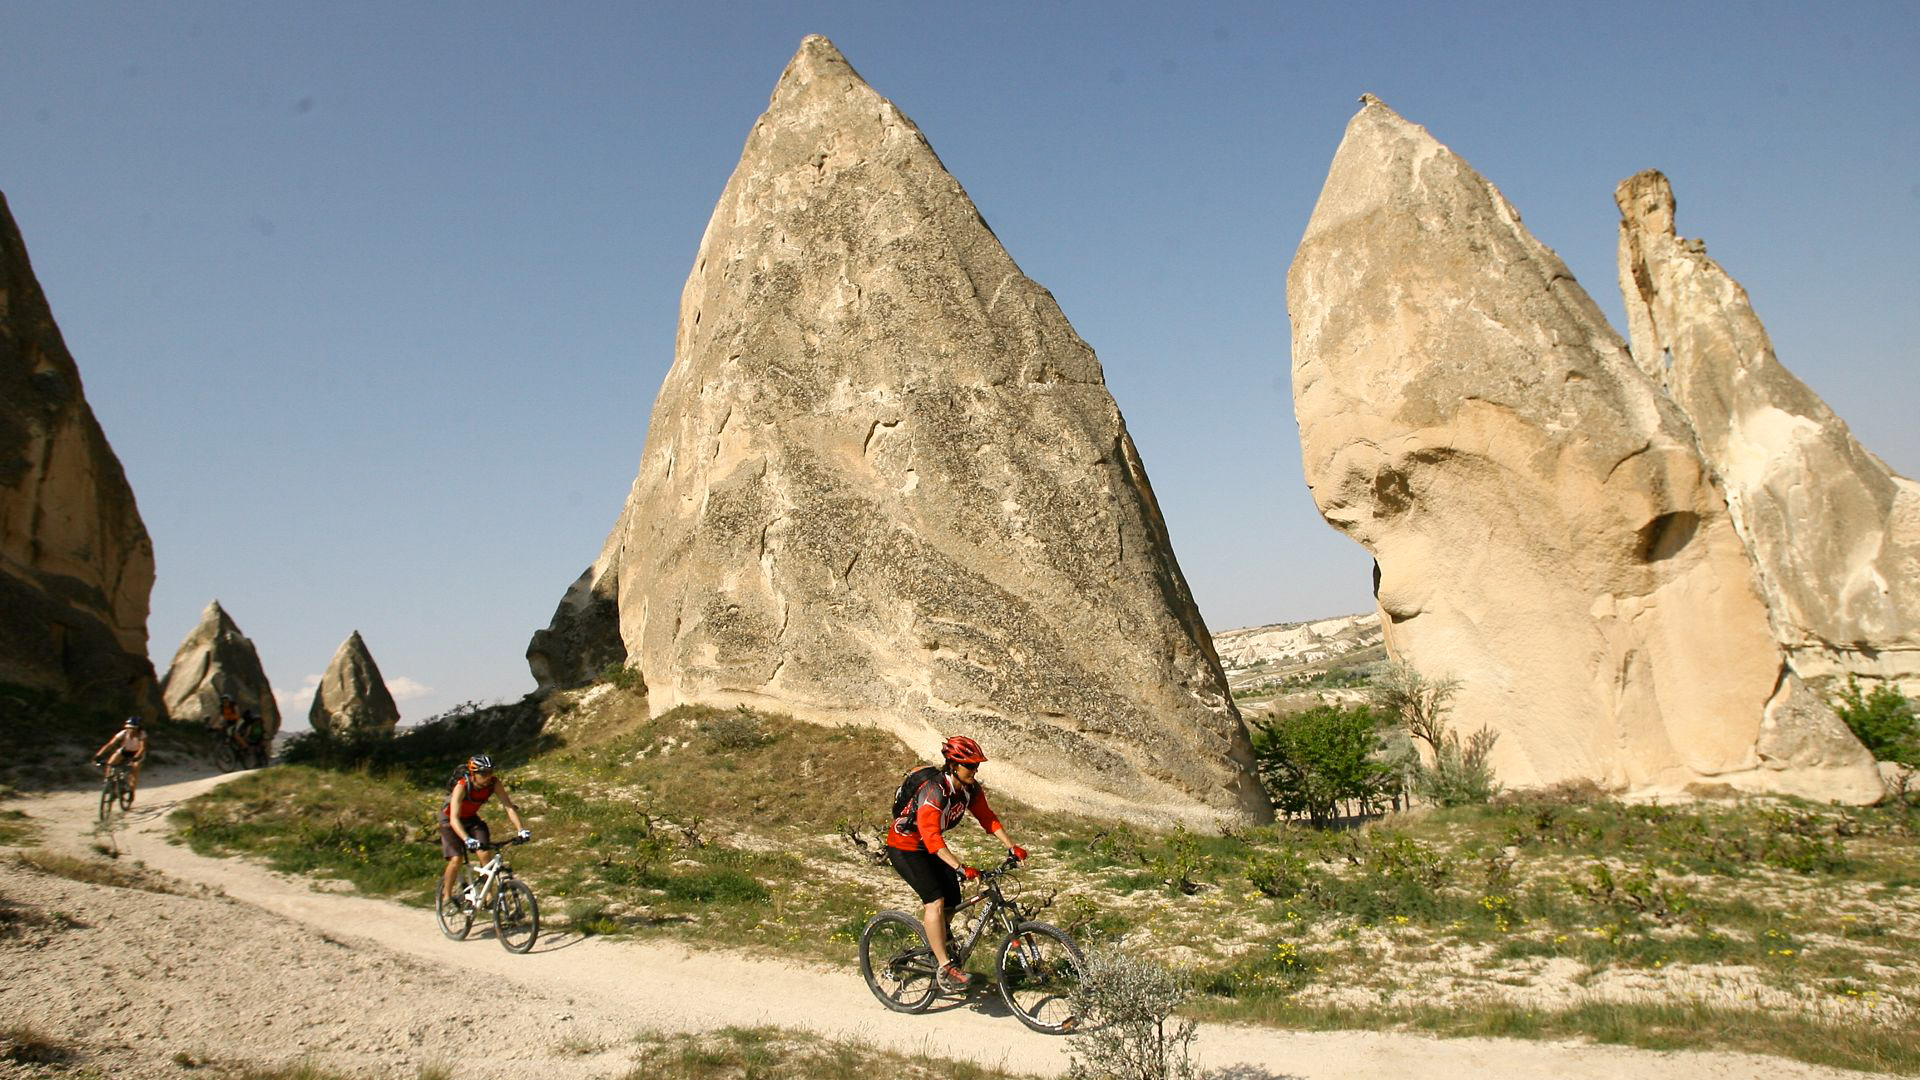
(931, 879)
(450, 840)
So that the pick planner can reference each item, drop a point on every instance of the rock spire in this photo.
(885, 483)
(217, 660)
(1834, 533)
(1542, 525)
(76, 564)
(352, 696)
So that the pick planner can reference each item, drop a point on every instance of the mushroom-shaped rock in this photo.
(885, 483)
(1543, 527)
(352, 696)
(76, 564)
(216, 660)
(1834, 533)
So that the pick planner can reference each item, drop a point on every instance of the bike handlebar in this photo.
(503, 844)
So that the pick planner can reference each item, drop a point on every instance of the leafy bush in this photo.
(1458, 773)
(1126, 1029)
(426, 752)
(624, 678)
(1312, 761)
(1883, 719)
(737, 729)
(1276, 971)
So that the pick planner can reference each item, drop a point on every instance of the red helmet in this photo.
(961, 750)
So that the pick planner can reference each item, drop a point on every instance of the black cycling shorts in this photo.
(931, 879)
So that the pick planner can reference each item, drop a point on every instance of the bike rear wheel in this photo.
(1039, 968)
(456, 918)
(896, 962)
(516, 917)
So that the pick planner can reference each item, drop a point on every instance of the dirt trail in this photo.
(264, 967)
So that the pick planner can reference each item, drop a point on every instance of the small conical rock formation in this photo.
(216, 659)
(1543, 527)
(76, 564)
(352, 696)
(885, 483)
(1834, 533)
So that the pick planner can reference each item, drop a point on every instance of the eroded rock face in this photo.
(217, 660)
(1834, 533)
(1544, 528)
(352, 696)
(885, 483)
(584, 636)
(76, 564)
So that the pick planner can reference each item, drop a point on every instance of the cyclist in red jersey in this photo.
(917, 845)
(461, 829)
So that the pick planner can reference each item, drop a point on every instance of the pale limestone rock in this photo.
(1292, 644)
(885, 483)
(1834, 533)
(76, 564)
(1544, 529)
(216, 659)
(352, 696)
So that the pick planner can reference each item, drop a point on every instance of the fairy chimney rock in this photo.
(1834, 534)
(1543, 527)
(352, 696)
(217, 660)
(885, 483)
(76, 564)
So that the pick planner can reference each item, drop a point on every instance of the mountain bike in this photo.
(1037, 965)
(492, 887)
(117, 789)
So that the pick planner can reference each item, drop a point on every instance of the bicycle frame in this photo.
(995, 911)
(490, 874)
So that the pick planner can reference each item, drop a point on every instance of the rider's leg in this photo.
(133, 779)
(447, 876)
(934, 919)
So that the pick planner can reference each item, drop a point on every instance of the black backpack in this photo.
(910, 787)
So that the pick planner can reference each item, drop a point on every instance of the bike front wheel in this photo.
(109, 798)
(516, 917)
(126, 792)
(456, 918)
(225, 758)
(896, 962)
(1039, 968)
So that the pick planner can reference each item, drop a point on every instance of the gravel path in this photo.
(241, 964)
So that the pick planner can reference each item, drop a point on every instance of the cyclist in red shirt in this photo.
(917, 845)
(461, 829)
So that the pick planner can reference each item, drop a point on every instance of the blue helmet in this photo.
(133, 721)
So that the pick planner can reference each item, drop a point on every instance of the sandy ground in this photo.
(244, 965)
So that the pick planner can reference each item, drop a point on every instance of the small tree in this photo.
(1312, 761)
(1883, 719)
(1456, 773)
(1126, 1029)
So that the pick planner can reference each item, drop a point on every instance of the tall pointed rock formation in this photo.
(1543, 527)
(76, 564)
(217, 660)
(352, 696)
(1834, 533)
(884, 483)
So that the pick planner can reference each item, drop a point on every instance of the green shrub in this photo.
(1311, 762)
(1268, 972)
(428, 751)
(624, 678)
(1457, 773)
(1883, 719)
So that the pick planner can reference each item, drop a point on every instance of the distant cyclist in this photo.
(461, 829)
(128, 746)
(252, 735)
(917, 845)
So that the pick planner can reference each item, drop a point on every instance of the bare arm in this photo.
(453, 809)
(506, 803)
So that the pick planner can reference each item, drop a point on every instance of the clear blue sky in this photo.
(373, 299)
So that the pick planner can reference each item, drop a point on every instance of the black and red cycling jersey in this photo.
(938, 806)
